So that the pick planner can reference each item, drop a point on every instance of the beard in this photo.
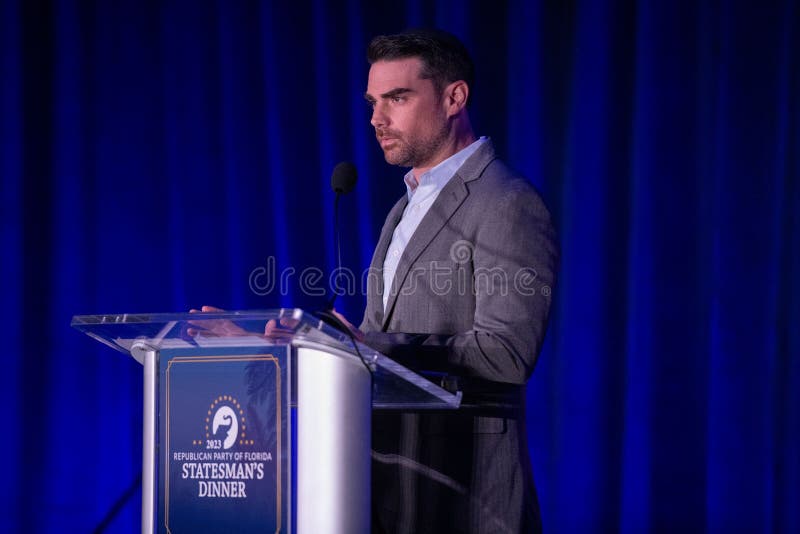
(413, 150)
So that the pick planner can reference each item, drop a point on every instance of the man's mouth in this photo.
(385, 138)
(384, 134)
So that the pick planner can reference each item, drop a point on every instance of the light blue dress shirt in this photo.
(420, 200)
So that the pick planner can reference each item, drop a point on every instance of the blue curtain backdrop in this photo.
(153, 154)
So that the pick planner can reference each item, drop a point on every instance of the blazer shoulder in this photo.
(500, 183)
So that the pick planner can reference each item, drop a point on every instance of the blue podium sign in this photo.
(224, 463)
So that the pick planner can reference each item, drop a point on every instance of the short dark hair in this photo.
(444, 58)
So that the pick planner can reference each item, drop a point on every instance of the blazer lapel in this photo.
(376, 267)
(451, 197)
(448, 201)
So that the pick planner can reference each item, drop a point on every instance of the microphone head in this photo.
(344, 177)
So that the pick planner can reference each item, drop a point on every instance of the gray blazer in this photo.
(469, 307)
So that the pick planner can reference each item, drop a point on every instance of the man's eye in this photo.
(397, 99)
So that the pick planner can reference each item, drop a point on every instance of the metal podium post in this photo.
(333, 442)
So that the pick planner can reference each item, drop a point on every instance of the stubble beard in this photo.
(416, 151)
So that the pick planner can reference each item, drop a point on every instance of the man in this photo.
(467, 259)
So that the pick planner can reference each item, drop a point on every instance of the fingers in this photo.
(289, 322)
(203, 325)
(272, 330)
(206, 309)
(277, 330)
(358, 334)
(344, 320)
(213, 327)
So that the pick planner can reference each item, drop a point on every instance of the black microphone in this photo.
(344, 177)
(343, 180)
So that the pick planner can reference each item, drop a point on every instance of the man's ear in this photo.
(456, 95)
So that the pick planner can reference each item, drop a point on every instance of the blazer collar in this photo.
(473, 168)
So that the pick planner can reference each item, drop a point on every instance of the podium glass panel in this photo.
(394, 386)
(244, 430)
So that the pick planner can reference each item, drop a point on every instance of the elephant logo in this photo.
(225, 426)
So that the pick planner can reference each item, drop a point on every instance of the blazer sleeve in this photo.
(515, 259)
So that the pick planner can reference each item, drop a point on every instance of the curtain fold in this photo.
(154, 156)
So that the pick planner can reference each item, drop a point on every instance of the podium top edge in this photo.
(158, 317)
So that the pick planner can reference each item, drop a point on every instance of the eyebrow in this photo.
(394, 92)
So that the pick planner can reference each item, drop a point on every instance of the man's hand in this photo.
(281, 332)
(215, 327)
(226, 328)
(357, 334)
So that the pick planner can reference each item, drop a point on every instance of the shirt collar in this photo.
(437, 177)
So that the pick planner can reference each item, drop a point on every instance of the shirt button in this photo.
(396, 253)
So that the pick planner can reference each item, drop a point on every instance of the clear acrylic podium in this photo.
(226, 407)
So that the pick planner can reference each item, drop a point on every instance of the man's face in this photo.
(408, 114)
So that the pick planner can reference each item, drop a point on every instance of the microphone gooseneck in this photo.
(343, 180)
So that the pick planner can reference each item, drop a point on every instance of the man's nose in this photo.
(379, 117)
